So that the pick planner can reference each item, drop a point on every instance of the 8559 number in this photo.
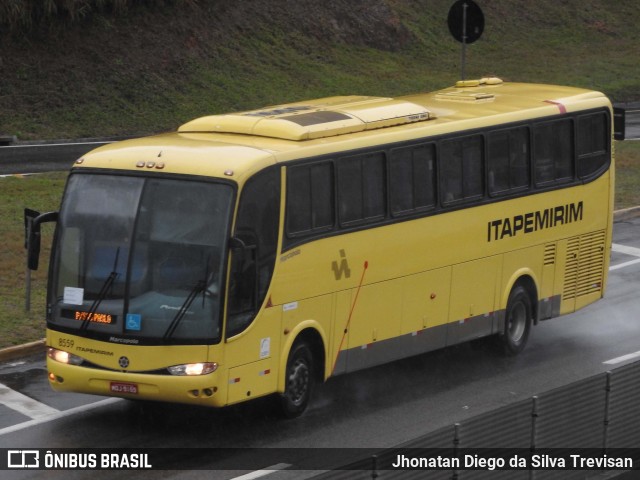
(65, 342)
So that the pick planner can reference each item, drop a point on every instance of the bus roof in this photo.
(236, 145)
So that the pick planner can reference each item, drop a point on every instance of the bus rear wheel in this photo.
(517, 322)
(298, 381)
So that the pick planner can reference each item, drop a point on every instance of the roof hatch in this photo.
(320, 118)
(467, 91)
(465, 96)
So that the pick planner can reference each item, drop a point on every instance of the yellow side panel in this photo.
(252, 380)
(318, 309)
(425, 300)
(473, 288)
(255, 350)
(376, 313)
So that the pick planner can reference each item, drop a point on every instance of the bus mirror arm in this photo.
(237, 247)
(32, 222)
(236, 244)
(240, 248)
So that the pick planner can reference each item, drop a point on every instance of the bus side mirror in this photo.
(32, 222)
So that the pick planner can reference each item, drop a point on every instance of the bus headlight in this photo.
(193, 369)
(64, 357)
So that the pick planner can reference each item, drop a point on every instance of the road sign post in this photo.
(466, 24)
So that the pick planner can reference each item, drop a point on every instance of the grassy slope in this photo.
(107, 76)
(41, 192)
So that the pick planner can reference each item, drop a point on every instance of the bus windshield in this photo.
(140, 260)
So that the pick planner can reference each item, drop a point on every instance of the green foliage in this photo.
(25, 14)
(88, 68)
(41, 192)
(627, 174)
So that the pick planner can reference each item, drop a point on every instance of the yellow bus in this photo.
(262, 252)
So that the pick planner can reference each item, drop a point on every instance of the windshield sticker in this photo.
(73, 295)
(265, 347)
(134, 321)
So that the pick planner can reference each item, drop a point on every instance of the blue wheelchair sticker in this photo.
(134, 321)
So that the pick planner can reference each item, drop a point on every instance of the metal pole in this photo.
(27, 276)
(464, 40)
(27, 300)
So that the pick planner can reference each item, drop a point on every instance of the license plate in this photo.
(121, 387)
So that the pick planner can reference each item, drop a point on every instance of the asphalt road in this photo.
(376, 408)
(43, 157)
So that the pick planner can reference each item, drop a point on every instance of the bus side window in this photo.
(508, 160)
(361, 189)
(310, 197)
(553, 142)
(412, 179)
(593, 144)
(519, 159)
(461, 167)
(252, 265)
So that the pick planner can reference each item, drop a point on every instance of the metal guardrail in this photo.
(7, 140)
(601, 412)
(626, 121)
(34, 157)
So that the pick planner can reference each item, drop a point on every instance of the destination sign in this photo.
(96, 317)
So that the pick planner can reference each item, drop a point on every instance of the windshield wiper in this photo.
(102, 293)
(199, 287)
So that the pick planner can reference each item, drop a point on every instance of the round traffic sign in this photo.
(466, 21)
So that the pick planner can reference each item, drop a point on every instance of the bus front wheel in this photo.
(517, 322)
(298, 381)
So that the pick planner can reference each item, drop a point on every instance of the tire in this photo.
(517, 321)
(299, 381)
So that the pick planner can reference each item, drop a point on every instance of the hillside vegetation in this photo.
(83, 68)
